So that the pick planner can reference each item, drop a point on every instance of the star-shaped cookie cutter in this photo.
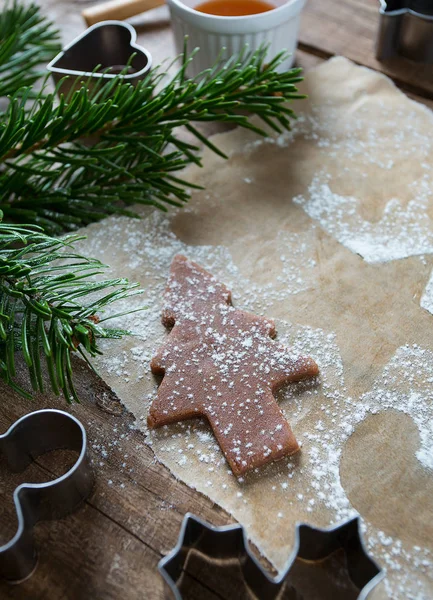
(228, 542)
(406, 29)
(29, 437)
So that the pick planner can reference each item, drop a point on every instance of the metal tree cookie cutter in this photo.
(311, 544)
(29, 437)
(103, 51)
(406, 29)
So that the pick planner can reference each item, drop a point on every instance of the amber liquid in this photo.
(234, 8)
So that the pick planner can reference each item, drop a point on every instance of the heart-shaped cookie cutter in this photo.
(103, 51)
(311, 544)
(29, 437)
(405, 29)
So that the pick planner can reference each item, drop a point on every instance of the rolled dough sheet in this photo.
(329, 230)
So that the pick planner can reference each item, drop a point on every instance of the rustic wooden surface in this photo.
(110, 548)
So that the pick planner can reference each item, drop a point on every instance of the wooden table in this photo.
(110, 548)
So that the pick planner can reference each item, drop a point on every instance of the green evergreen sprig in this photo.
(74, 159)
(51, 306)
(52, 178)
(27, 40)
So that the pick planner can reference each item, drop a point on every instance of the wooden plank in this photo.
(88, 556)
(349, 28)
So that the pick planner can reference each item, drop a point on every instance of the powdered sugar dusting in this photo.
(322, 417)
(407, 385)
(404, 228)
(427, 296)
(306, 486)
(344, 147)
(148, 247)
(401, 232)
(221, 363)
(376, 146)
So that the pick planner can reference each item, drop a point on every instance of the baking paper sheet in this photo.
(329, 230)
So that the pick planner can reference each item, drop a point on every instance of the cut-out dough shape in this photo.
(221, 363)
(383, 448)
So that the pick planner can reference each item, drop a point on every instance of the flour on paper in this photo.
(401, 231)
(306, 485)
(147, 246)
(427, 297)
(384, 139)
(358, 132)
(407, 385)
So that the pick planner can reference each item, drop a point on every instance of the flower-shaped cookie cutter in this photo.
(311, 544)
(29, 437)
(406, 29)
(103, 51)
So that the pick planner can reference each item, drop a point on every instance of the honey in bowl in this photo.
(234, 8)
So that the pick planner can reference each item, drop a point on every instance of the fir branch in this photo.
(95, 152)
(52, 178)
(50, 306)
(27, 40)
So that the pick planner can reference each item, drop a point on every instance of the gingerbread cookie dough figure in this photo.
(221, 363)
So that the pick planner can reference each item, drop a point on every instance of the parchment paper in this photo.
(328, 230)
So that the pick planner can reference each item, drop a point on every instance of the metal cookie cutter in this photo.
(311, 544)
(406, 28)
(102, 52)
(33, 435)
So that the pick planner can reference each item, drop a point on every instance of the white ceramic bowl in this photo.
(278, 28)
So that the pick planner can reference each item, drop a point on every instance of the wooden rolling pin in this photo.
(118, 10)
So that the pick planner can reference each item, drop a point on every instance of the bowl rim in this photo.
(268, 15)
